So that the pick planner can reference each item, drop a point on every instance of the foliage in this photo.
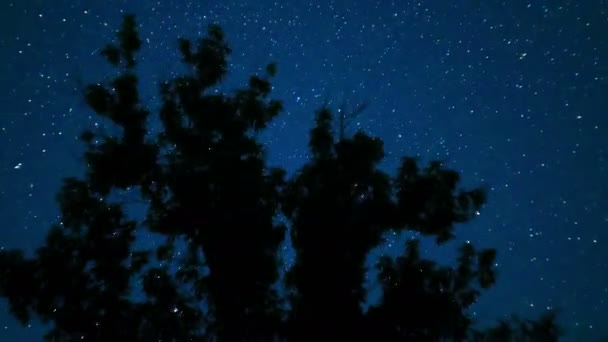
(206, 182)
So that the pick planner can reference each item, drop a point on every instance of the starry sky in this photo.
(513, 94)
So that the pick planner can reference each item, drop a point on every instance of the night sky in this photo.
(509, 93)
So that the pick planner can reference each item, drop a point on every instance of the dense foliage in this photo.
(211, 195)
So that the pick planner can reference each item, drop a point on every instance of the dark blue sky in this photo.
(513, 94)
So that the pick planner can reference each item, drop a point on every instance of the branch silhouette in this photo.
(207, 186)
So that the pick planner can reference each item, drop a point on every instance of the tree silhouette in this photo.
(216, 204)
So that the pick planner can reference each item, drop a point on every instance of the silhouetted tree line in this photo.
(206, 182)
